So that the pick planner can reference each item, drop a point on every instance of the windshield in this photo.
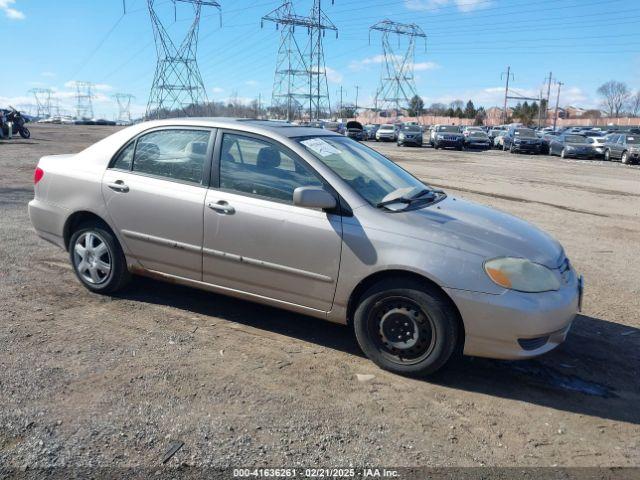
(478, 134)
(448, 128)
(411, 128)
(369, 173)
(387, 127)
(525, 132)
(575, 139)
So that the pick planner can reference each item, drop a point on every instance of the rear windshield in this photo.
(525, 132)
(633, 140)
(411, 128)
(448, 128)
(576, 139)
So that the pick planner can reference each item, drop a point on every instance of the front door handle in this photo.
(118, 186)
(222, 206)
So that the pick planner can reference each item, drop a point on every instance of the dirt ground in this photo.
(97, 381)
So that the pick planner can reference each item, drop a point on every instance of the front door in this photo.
(155, 192)
(255, 240)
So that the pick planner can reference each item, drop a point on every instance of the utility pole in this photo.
(356, 106)
(555, 116)
(506, 92)
(341, 104)
(546, 109)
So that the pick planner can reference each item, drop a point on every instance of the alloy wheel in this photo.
(92, 258)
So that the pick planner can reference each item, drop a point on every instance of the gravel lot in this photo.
(87, 380)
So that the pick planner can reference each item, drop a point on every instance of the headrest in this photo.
(268, 157)
(196, 148)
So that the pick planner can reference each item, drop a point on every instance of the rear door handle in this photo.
(118, 186)
(222, 206)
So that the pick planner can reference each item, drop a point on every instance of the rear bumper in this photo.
(411, 141)
(449, 143)
(48, 221)
(517, 325)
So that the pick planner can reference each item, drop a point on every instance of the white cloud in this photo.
(11, 13)
(251, 83)
(333, 76)
(217, 90)
(462, 5)
(99, 87)
(422, 66)
(379, 59)
(48, 74)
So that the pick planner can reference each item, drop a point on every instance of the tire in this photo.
(459, 148)
(563, 153)
(436, 146)
(511, 150)
(607, 155)
(625, 158)
(25, 133)
(504, 147)
(399, 307)
(98, 279)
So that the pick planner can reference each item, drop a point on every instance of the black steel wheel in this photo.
(406, 327)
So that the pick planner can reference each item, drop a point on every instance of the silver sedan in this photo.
(309, 221)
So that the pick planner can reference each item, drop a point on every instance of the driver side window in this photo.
(259, 168)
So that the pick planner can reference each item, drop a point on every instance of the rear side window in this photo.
(125, 157)
(173, 154)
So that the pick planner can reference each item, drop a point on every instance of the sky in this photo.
(469, 45)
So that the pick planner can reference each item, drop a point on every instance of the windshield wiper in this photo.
(408, 200)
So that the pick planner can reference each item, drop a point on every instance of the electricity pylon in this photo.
(177, 87)
(84, 97)
(124, 106)
(301, 76)
(397, 84)
(291, 80)
(43, 101)
(318, 88)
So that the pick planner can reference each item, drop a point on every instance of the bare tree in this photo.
(634, 104)
(614, 96)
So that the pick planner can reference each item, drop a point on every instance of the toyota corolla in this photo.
(310, 221)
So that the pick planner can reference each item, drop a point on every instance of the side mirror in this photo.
(313, 197)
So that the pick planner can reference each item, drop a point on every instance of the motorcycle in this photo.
(18, 123)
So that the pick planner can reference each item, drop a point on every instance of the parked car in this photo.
(520, 139)
(477, 139)
(446, 136)
(571, 145)
(201, 202)
(597, 142)
(466, 130)
(498, 140)
(387, 133)
(371, 130)
(545, 140)
(355, 130)
(493, 133)
(623, 147)
(410, 135)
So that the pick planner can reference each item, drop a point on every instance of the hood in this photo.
(484, 231)
(353, 125)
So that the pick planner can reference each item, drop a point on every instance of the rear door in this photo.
(155, 192)
(255, 240)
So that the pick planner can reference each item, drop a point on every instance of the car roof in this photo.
(258, 126)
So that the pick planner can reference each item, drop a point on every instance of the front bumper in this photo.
(445, 143)
(387, 137)
(410, 141)
(516, 325)
(580, 153)
(526, 147)
(478, 145)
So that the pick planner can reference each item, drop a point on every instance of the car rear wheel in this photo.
(406, 327)
(97, 259)
(563, 153)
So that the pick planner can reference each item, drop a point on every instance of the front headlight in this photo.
(521, 274)
(439, 136)
(569, 147)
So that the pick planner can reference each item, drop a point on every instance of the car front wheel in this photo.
(406, 327)
(625, 158)
(97, 259)
(607, 155)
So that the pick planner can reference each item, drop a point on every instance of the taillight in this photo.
(37, 175)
